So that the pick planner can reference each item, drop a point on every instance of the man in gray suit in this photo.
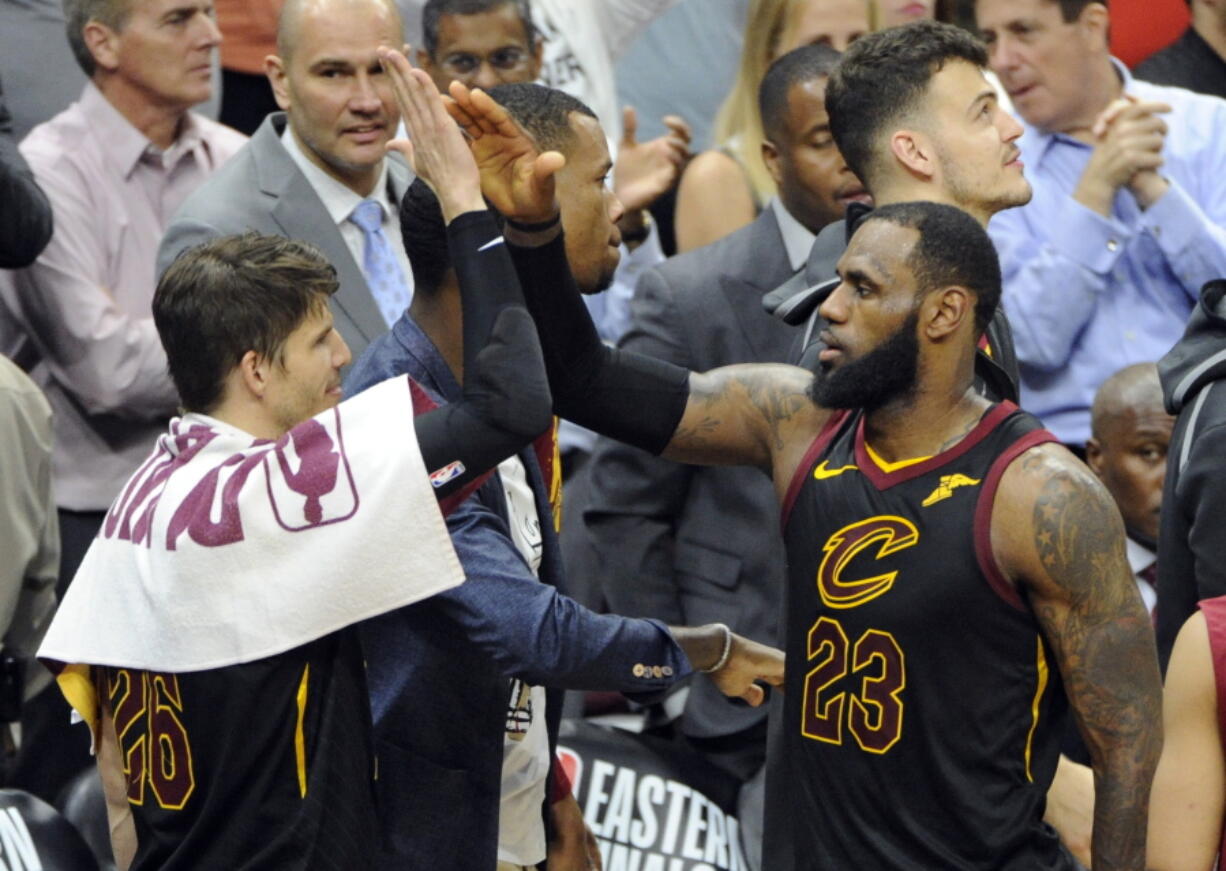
(687, 543)
(318, 171)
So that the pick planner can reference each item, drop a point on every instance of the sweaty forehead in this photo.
(879, 250)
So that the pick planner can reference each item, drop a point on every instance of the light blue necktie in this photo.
(379, 264)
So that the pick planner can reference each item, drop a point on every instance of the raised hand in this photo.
(515, 176)
(1128, 140)
(644, 171)
(749, 661)
(436, 148)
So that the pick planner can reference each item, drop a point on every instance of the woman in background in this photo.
(724, 188)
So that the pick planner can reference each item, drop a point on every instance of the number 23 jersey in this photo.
(923, 709)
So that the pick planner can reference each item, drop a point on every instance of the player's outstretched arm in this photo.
(1057, 534)
(505, 402)
(735, 415)
(734, 663)
(1187, 804)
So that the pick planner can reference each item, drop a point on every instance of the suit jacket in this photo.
(262, 189)
(439, 671)
(688, 544)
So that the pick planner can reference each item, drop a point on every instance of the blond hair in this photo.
(738, 126)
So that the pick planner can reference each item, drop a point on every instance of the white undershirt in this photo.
(340, 201)
(525, 757)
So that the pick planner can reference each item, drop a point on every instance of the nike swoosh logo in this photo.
(821, 473)
(497, 240)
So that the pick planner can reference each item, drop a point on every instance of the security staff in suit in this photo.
(685, 543)
(318, 171)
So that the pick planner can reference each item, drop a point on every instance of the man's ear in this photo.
(914, 152)
(944, 311)
(1095, 22)
(274, 68)
(770, 156)
(103, 44)
(253, 370)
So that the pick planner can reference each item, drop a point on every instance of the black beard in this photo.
(883, 374)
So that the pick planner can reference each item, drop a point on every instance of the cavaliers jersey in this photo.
(264, 765)
(923, 711)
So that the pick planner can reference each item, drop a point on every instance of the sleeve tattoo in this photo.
(1090, 611)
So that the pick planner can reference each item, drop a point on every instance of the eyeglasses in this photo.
(505, 61)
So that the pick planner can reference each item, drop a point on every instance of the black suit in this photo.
(688, 544)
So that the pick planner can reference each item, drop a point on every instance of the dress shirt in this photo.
(29, 531)
(1088, 295)
(1190, 63)
(1141, 558)
(81, 311)
(797, 240)
(340, 202)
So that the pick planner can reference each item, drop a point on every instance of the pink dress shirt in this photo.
(79, 317)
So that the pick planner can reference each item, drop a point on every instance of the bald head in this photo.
(1131, 434)
(295, 12)
(1132, 390)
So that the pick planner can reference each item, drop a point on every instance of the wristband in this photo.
(538, 227)
(723, 659)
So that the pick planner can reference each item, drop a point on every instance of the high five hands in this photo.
(496, 158)
(515, 176)
(435, 149)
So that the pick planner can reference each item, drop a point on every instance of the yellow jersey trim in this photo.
(299, 739)
(889, 467)
(1041, 667)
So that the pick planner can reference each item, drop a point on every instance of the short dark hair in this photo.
(1070, 10)
(436, 9)
(953, 249)
(424, 233)
(228, 296)
(541, 111)
(882, 77)
(798, 66)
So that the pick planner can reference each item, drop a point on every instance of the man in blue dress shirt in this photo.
(1104, 265)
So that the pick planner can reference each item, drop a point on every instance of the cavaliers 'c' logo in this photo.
(891, 533)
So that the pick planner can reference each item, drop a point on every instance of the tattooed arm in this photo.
(1058, 536)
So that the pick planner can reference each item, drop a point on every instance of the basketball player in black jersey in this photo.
(954, 574)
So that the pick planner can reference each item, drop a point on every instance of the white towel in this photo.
(224, 549)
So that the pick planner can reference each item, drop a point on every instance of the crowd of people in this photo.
(372, 408)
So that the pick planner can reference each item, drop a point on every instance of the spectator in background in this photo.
(29, 538)
(26, 227)
(1127, 451)
(485, 43)
(1197, 60)
(1191, 546)
(114, 165)
(250, 30)
(724, 188)
(1103, 266)
(667, 540)
(319, 170)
